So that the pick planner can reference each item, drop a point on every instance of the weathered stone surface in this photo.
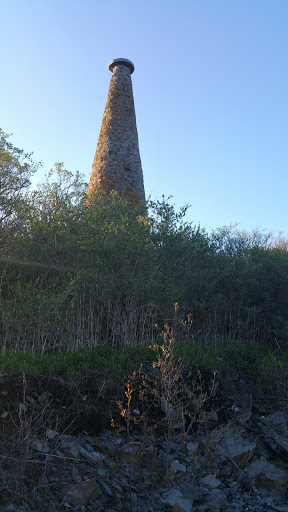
(41, 446)
(192, 447)
(176, 467)
(73, 452)
(273, 478)
(277, 422)
(125, 62)
(212, 416)
(190, 490)
(233, 445)
(174, 496)
(82, 494)
(117, 163)
(177, 508)
(210, 481)
(282, 442)
(51, 434)
(255, 468)
(215, 500)
(132, 475)
(106, 488)
(276, 433)
(94, 457)
(267, 475)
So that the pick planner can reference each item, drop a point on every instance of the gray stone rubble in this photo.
(239, 467)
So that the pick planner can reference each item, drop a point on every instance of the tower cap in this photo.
(124, 62)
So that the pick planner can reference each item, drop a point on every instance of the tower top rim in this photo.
(121, 61)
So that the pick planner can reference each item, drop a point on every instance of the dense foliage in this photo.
(80, 271)
(16, 168)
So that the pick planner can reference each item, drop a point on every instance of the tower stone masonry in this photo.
(117, 163)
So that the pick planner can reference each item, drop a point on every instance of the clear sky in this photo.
(210, 90)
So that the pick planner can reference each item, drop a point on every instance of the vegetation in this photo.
(78, 272)
(90, 289)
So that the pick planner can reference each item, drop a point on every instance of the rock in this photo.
(192, 447)
(98, 456)
(277, 443)
(177, 508)
(277, 421)
(175, 414)
(282, 442)
(210, 481)
(263, 491)
(173, 446)
(75, 475)
(106, 488)
(73, 452)
(94, 457)
(116, 486)
(275, 495)
(273, 477)
(267, 474)
(85, 441)
(82, 494)
(203, 479)
(51, 434)
(23, 508)
(101, 472)
(242, 407)
(266, 501)
(212, 416)
(233, 445)
(150, 461)
(131, 448)
(40, 446)
(191, 491)
(175, 497)
(243, 415)
(177, 467)
(276, 433)
(215, 500)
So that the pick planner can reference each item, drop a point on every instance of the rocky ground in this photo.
(237, 465)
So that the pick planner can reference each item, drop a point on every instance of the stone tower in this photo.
(117, 163)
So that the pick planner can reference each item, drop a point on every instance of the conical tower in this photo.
(117, 163)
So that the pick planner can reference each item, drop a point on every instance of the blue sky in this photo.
(210, 89)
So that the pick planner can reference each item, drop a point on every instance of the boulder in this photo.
(268, 475)
(80, 495)
(40, 446)
(176, 467)
(277, 422)
(231, 444)
(209, 481)
(214, 501)
(175, 497)
(94, 457)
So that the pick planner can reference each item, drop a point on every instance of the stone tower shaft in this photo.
(117, 163)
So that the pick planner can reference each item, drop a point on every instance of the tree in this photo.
(52, 212)
(16, 168)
